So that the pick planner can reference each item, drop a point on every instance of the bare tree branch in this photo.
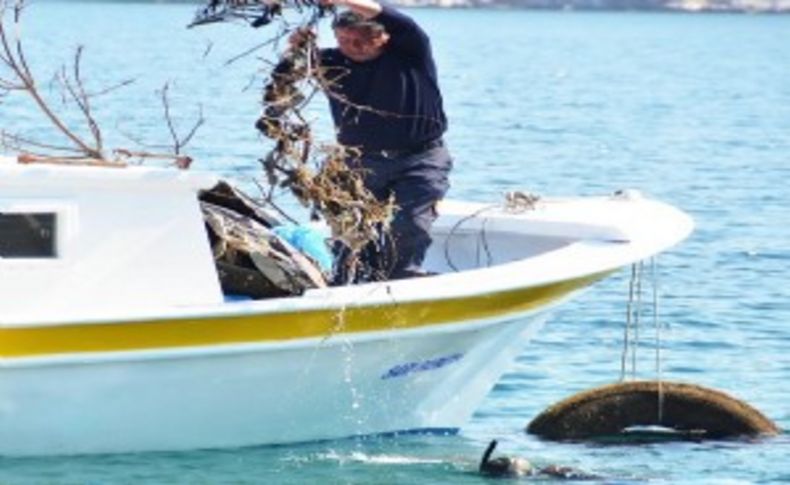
(180, 161)
(112, 88)
(200, 121)
(18, 142)
(178, 142)
(249, 51)
(73, 91)
(207, 50)
(13, 56)
(29, 158)
(168, 118)
(76, 89)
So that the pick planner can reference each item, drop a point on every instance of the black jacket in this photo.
(392, 102)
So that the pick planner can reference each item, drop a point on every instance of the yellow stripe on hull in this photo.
(192, 332)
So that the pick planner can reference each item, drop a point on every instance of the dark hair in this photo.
(352, 20)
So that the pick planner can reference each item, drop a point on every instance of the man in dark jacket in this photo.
(385, 101)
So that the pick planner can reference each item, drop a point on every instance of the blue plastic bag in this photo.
(308, 240)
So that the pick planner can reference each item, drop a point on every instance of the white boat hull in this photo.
(115, 337)
(419, 380)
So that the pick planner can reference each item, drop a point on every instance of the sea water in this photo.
(693, 109)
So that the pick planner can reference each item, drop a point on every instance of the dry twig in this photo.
(334, 190)
(17, 76)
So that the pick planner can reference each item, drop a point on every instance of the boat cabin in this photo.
(112, 240)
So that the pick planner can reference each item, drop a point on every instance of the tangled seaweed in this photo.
(321, 179)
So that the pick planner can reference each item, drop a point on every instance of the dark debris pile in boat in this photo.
(251, 259)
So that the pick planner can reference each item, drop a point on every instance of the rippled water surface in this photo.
(692, 109)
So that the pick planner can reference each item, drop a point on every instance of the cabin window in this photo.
(28, 235)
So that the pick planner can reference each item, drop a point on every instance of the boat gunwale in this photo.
(352, 297)
(183, 332)
(376, 294)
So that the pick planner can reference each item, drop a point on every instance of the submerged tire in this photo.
(608, 410)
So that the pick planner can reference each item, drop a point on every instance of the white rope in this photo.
(631, 331)
(637, 309)
(629, 312)
(657, 326)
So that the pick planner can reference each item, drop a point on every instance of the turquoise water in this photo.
(692, 109)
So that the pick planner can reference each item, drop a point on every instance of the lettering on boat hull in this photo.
(402, 370)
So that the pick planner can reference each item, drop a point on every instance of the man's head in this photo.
(358, 38)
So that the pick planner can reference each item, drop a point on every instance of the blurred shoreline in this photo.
(693, 6)
(731, 6)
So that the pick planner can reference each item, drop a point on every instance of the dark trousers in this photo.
(417, 181)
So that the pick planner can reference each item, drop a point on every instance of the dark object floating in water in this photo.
(514, 467)
(629, 412)
(503, 466)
